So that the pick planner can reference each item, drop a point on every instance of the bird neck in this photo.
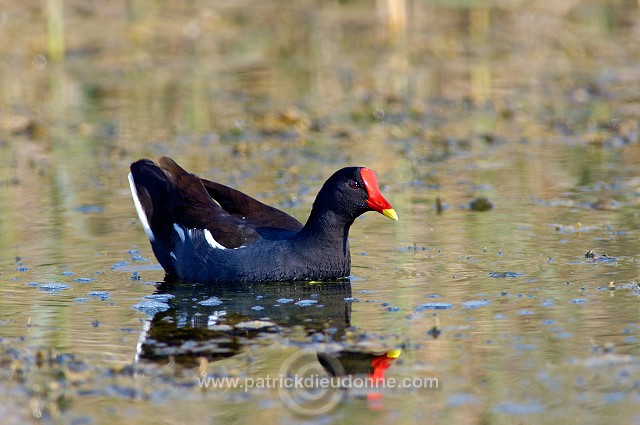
(326, 225)
(325, 236)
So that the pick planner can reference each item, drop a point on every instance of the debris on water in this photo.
(53, 287)
(220, 327)
(414, 248)
(461, 399)
(440, 206)
(151, 307)
(574, 228)
(101, 295)
(632, 286)
(285, 300)
(319, 338)
(503, 275)
(480, 204)
(435, 329)
(257, 308)
(524, 347)
(434, 332)
(90, 209)
(579, 300)
(434, 306)
(304, 303)
(475, 303)
(606, 205)
(119, 265)
(212, 301)
(607, 348)
(255, 325)
(604, 258)
(160, 297)
(511, 408)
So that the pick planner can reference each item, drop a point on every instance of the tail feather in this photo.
(150, 189)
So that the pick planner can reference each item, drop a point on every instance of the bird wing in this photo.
(233, 218)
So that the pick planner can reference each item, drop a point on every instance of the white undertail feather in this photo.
(209, 237)
(141, 214)
(190, 233)
(179, 231)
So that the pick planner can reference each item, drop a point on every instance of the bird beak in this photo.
(391, 213)
(376, 201)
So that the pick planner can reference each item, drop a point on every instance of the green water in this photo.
(534, 106)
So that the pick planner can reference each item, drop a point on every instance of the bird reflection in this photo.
(217, 322)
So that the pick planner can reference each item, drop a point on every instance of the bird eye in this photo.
(354, 184)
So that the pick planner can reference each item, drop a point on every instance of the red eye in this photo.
(354, 184)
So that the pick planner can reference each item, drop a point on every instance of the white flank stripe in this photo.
(209, 237)
(173, 255)
(141, 214)
(179, 231)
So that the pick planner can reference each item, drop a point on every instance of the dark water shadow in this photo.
(215, 322)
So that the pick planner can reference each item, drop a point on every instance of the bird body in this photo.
(203, 231)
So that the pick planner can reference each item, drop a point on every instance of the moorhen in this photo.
(203, 231)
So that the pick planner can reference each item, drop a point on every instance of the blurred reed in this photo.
(55, 30)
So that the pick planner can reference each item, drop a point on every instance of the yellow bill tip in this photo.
(391, 213)
(394, 354)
